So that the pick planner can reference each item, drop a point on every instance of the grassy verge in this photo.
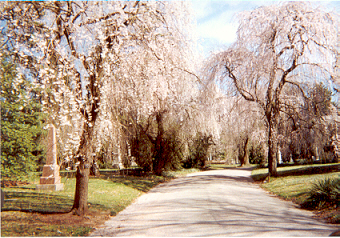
(297, 170)
(294, 182)
(180, 173)
(216, 166)
(29, 212)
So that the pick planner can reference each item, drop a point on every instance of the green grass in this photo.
(30, 212)
(106, 196)
(323, 194)
(297, 170)
(295, 187)
(294, 182)
(111, 193)
(220, 166)
(180, 173)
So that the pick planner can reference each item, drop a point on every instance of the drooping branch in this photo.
(246, 95)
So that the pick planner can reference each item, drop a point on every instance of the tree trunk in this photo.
(159, 160)
(81, 194)
(245, 157)
(94, 171)
(336, 145)
(83, 170)
(272, 150)
(158, 165)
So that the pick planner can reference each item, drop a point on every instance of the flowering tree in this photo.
(278, 46)
(79, 52)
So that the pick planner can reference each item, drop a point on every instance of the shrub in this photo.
(257, 155)
(157, 154)
(323, 194)
(142, 150)
(198, 152)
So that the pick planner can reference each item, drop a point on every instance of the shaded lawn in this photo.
(30, 212)
(297, 170)
(294, 182)
(295, 187)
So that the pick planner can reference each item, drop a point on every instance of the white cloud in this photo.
(215, 20)
(202, 8)
(223, 32)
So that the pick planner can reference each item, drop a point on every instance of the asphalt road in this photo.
(213, 203)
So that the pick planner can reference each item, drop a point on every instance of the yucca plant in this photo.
(324, 193)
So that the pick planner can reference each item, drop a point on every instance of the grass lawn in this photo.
(297, 170)
(217, 166)
(294, 182)
(180, 173)
(30, 212)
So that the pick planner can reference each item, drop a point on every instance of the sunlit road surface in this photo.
(213, 203)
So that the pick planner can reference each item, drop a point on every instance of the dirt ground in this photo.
(19, 223)
(10, 183)
(330, 215)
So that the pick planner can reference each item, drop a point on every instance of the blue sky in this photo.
(216, 20)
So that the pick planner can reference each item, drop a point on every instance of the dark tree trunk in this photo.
(272, 150)
(158, 165)
(95, 169)
(159, 160)
(2, 199)
(245, 157)
(81, 194)
(83, 170)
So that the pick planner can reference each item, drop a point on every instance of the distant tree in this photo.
(198, 151)
(257, 154)
(22, 122)
(248, 128)
(151, 102)
(278, 46)
(303, 131)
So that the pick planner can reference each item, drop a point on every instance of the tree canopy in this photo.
(279, 46)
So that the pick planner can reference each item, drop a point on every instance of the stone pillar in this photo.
(279, 157)
(50, 179)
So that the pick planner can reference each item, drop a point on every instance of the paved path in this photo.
(213, 203)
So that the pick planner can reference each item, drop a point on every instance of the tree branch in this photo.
(248, 97)
(298, 86)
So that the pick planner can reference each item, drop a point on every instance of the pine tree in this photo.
(21, 124)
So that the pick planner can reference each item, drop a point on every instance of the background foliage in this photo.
(22, 124)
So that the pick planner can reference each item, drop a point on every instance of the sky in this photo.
(217, 23)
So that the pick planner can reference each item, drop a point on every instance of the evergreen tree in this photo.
(21, 124)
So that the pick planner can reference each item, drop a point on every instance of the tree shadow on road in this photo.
(215, 214)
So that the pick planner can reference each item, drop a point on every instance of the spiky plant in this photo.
(324, 193)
